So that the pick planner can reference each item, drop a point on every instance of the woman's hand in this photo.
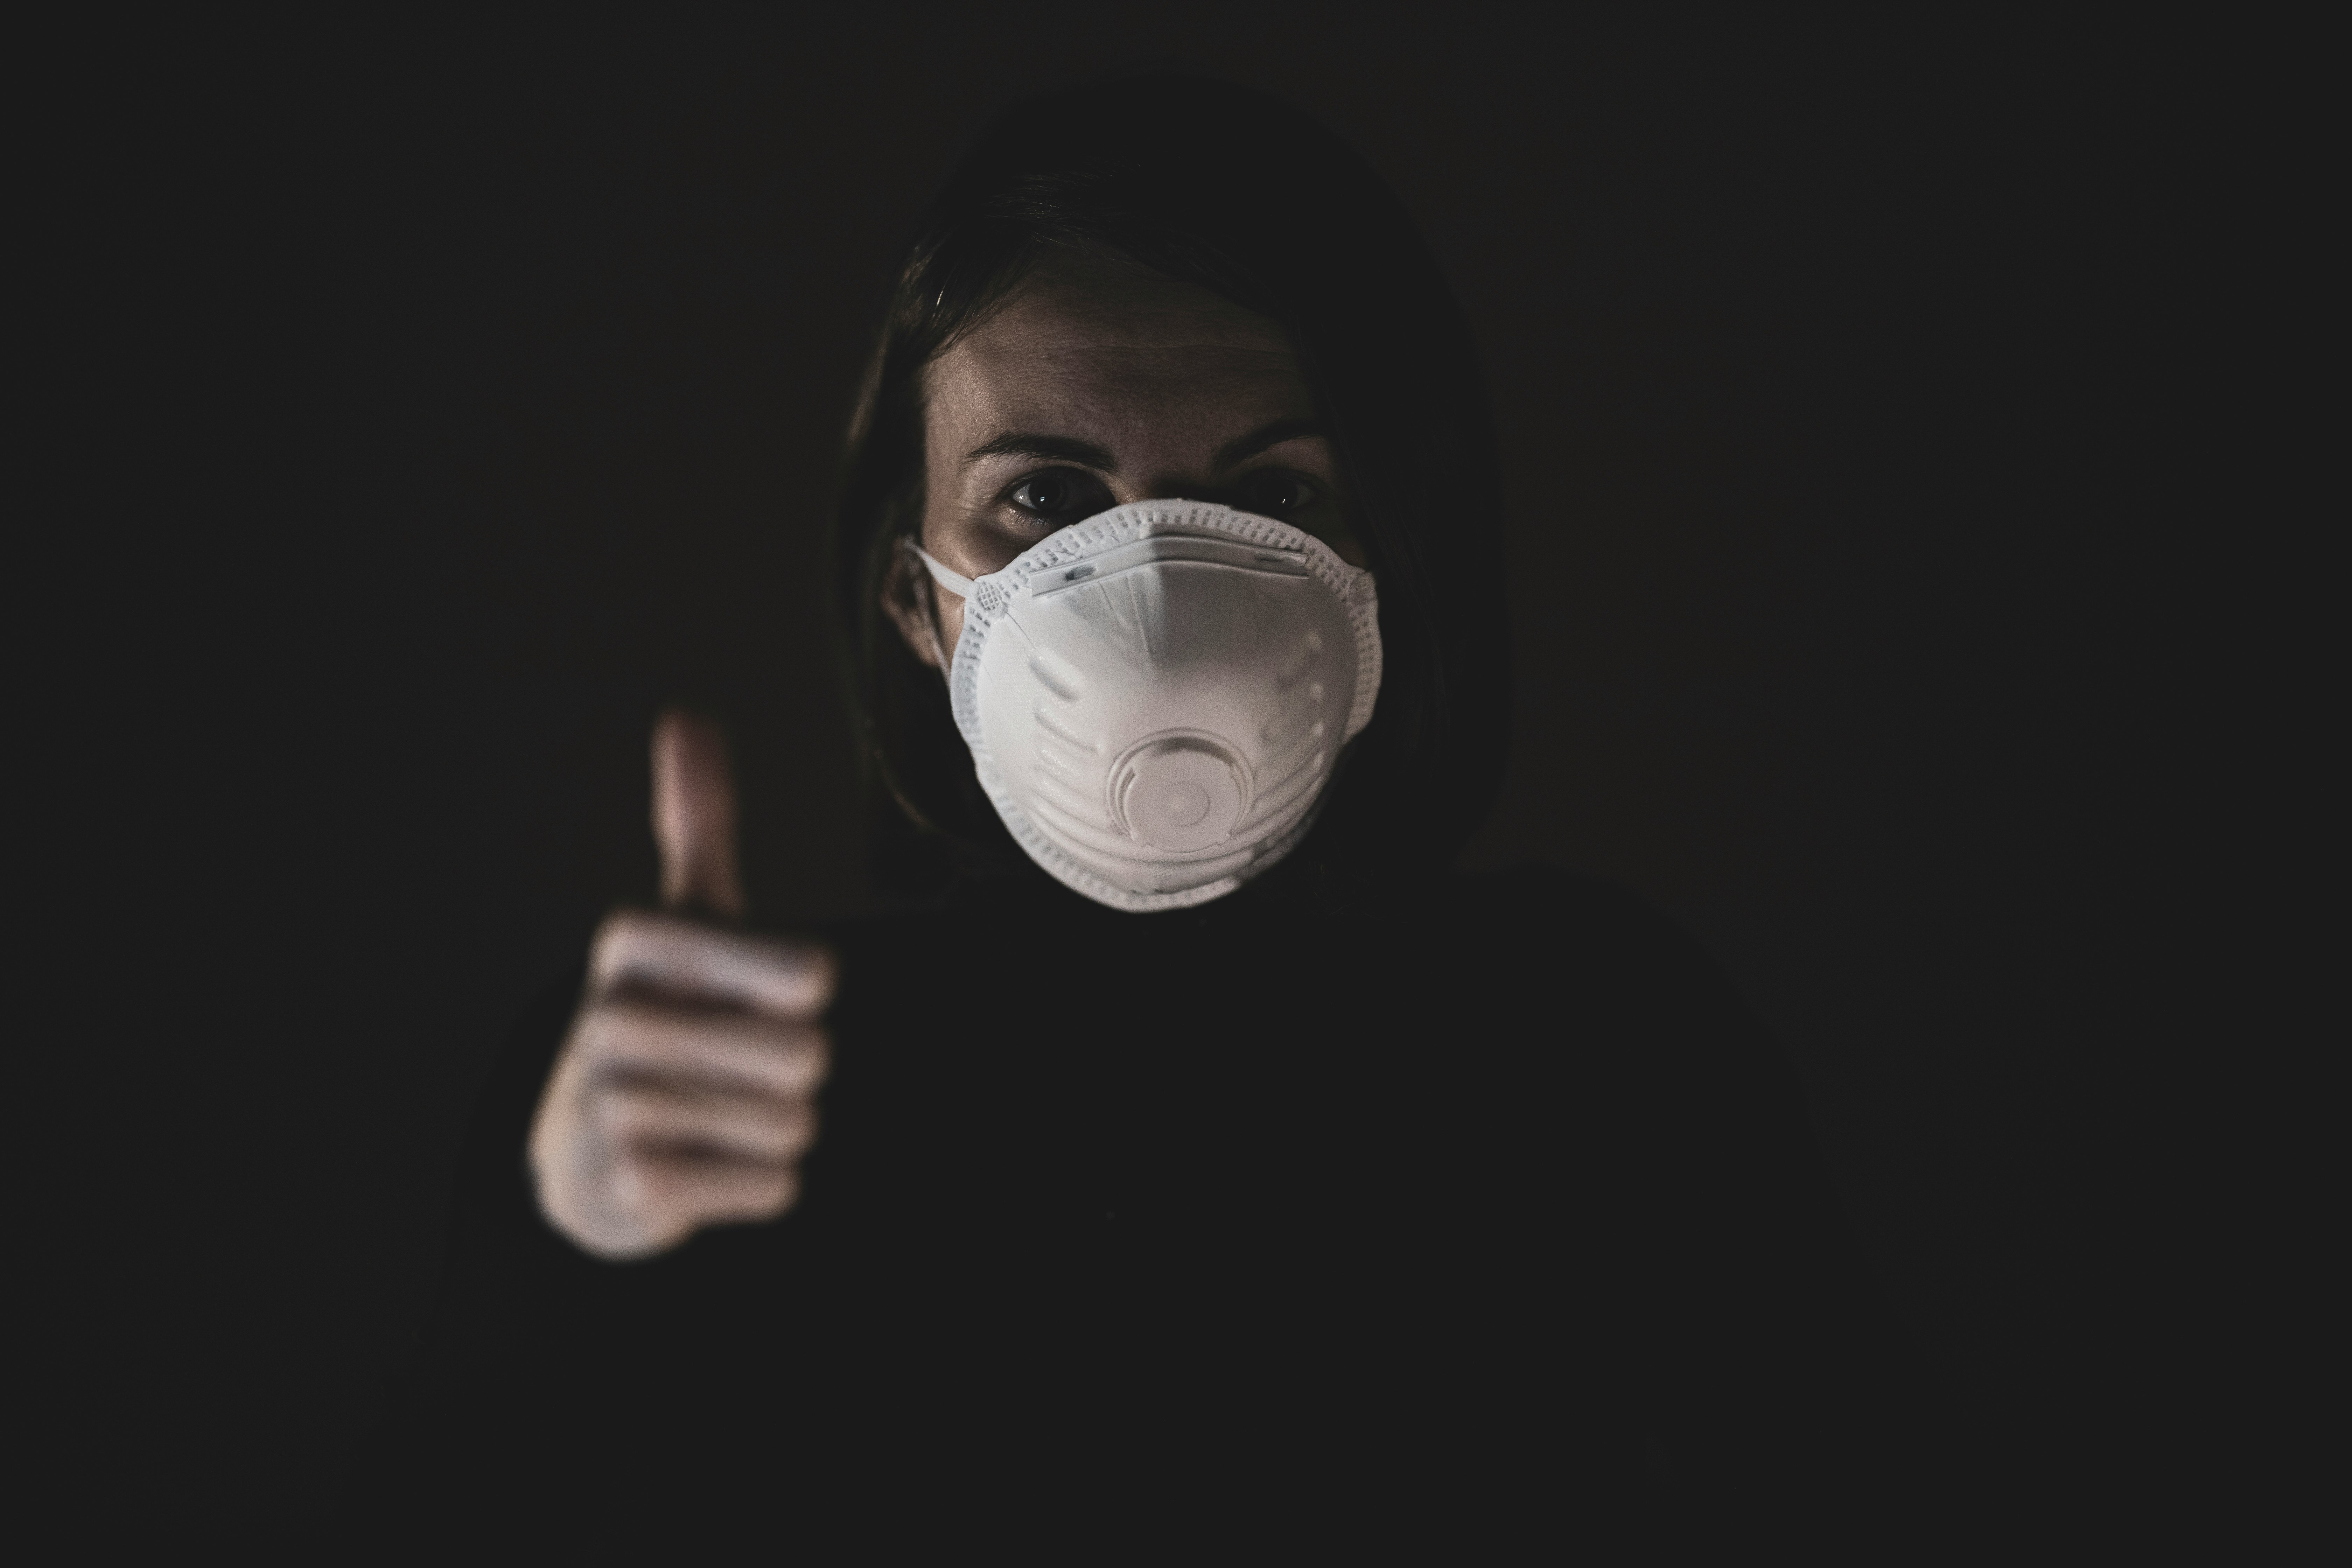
(685, 1095)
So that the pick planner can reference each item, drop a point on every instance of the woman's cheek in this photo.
(951, 624)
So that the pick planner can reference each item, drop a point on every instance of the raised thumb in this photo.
(694, 817)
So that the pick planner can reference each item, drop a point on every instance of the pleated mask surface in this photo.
(1155, 698)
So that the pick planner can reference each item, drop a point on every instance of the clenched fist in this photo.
(686, 1094)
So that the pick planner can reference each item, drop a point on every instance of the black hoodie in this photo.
(1475, 1216)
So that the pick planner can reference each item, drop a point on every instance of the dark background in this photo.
(460, 397)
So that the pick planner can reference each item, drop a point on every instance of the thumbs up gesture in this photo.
(684, 1095)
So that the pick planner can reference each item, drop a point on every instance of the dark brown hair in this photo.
(1218, 186)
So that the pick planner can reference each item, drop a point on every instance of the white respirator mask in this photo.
(1155, 698)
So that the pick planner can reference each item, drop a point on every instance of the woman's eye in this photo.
(1280, 495)
(1051, 494)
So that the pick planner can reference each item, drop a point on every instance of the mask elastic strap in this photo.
(953, 581)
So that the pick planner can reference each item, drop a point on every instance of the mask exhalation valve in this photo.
(1179, 792)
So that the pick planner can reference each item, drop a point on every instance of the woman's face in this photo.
(1093, 387)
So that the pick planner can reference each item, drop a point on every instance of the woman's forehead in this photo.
(1115, 310)
(1154, 410)
(1057, 351)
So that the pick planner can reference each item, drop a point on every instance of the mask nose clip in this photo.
(1178, 792)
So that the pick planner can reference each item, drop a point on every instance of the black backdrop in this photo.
(461, 397)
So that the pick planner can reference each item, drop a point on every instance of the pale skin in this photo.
(1137, 388)
(684, 1095)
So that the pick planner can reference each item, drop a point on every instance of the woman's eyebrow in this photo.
(1057, 448)
(1085, 454)
(1242, 448)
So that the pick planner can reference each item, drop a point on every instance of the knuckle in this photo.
(776, 1193)
(825, 974)
(807, 960)
(788, 977)
(816, 974)
(614, 935)
(795, 1128)
(815, 1055)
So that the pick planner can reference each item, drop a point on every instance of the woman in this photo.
(1202, 1163)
